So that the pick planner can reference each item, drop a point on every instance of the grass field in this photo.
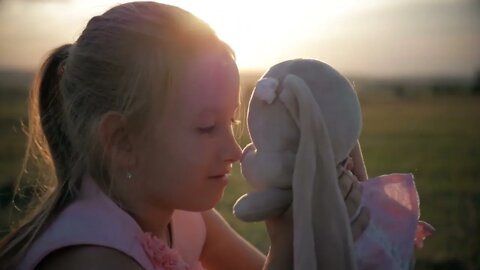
(434, 137)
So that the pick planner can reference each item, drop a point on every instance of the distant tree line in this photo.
(476, 83)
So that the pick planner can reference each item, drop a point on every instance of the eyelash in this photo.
(210, 129)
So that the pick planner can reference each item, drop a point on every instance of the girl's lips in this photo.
(221, 177)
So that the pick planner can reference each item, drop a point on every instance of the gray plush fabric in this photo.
(304, 119)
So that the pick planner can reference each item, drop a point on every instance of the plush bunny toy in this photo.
(304, 119)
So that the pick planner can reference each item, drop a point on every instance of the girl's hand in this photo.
(358, 168)
(280, 231)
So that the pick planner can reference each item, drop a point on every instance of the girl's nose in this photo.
(233, 152)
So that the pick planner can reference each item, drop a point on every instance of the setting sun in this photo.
(259, 31)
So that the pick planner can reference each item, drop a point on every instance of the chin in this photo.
(204, 205)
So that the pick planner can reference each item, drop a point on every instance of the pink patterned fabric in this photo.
(94, 219)
(161, 255)
(394, 227)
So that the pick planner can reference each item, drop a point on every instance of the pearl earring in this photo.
(129, 175)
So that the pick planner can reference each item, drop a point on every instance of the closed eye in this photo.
(210, 129)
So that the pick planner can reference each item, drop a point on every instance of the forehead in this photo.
(210, 82)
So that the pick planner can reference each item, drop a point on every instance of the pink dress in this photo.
(394, 227)
(94, 219)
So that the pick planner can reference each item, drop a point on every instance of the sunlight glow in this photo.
(367, 37)
(259, 31)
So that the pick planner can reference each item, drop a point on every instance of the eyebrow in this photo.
(213, 112)
(216, 109)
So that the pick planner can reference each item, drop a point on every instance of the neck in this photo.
(149, 215)
(153, 220)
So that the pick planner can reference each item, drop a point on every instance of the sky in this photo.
(379, 38)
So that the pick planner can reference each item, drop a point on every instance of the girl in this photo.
(135, 119)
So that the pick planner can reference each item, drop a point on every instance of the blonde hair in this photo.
(121, 54)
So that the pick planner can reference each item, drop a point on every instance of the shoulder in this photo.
(211, 215)
(88, 257)
(217, 228)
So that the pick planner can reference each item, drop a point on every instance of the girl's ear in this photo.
(116, 141)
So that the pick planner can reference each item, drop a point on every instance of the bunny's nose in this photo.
(249, 148)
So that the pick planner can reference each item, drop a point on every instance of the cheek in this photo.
(153, 154)
(175, 154)
(194, 154)
(176, 172)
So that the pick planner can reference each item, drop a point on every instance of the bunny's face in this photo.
(335, 98)
(269, 161)
(301, 112)
(270, 125)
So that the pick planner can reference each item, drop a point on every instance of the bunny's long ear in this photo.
(322, 238)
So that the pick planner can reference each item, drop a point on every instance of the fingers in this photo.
(359, 169)
(280, 229)
(349, 164)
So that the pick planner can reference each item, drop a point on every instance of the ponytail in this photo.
(51, 110)
(49, 143)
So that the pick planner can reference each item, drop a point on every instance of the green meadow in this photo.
(434, 136)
